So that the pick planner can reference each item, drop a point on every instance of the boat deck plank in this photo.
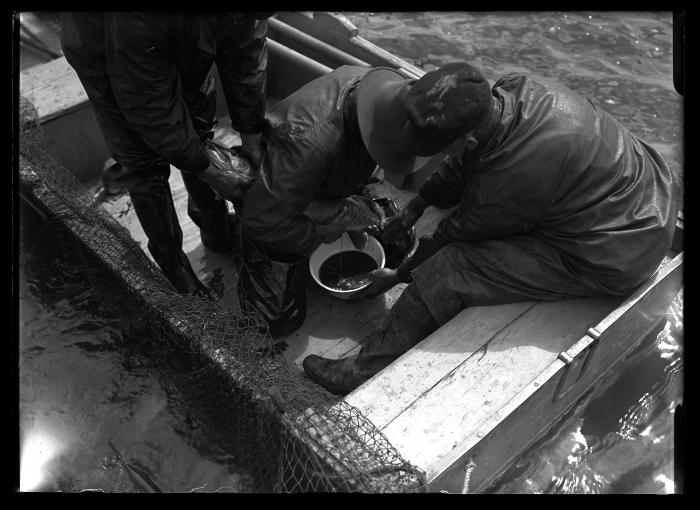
(414, 374)
(53, 88)
(434, 397)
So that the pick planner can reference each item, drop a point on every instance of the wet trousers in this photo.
(151, 197)
(490, 272)
(273, 284)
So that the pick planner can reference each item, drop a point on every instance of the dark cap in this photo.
(447, 102)
(401, 118)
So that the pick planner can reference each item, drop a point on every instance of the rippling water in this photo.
(95, 414)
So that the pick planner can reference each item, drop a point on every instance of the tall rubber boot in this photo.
(408, 322)
(209, 214)
(154, 207)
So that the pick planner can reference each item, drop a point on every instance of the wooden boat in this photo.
(472, 396)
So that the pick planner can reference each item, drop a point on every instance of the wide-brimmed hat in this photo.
(403, 120)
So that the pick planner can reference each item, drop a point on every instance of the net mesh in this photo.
(286, 433)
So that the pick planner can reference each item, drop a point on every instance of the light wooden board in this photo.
(437, 416)
(54, 88)
(390, 392)
(71, 133)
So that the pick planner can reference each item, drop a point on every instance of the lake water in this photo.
(96, 413)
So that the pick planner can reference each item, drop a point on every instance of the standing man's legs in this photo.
(273, 284)
(209, 214)
(152, 200)
(142, 172)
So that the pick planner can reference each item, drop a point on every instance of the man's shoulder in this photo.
(315, 110)
(534, 102)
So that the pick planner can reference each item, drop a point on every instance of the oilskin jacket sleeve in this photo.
(274, 205)
(242, 62)
(148, 90)
(444, 187)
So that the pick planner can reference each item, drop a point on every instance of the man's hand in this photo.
(375, 208)
(382, 280)
(252, 148)
(358, 238)
(226, 184)
(404, 220)
(331, 232)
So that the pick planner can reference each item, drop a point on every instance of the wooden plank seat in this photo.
(430, 399)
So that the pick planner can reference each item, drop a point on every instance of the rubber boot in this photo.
(273, 284)
(154, 207)
(407, 323)
(210, 214)
(339, 376)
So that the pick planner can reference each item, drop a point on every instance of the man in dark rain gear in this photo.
(150, 79)
(553, 199)
(314, 150)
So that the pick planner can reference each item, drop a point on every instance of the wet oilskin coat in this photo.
(149, 77)
(596, 200)
(314, 150)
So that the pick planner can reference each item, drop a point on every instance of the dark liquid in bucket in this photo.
(347, 270)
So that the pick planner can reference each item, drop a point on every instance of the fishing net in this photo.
(285, 433)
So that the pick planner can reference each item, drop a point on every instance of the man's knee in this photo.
(412, 307)
(408, 322)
